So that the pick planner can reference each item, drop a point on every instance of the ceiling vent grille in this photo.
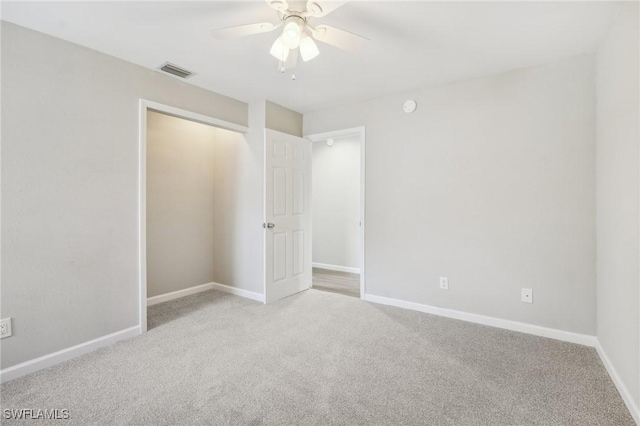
(175, 70)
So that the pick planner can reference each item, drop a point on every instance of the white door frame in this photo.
(355, 131)
(144, 106)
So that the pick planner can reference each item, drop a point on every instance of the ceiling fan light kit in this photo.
(297, 38)
(292, 33)
(279, 50)
(308, 48)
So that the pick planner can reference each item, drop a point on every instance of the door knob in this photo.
(268, 225)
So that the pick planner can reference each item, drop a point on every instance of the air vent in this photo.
(176, 70)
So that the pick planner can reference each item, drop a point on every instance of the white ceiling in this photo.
(412, 44)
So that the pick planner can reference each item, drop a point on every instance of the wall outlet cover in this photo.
(444, 283)
(5, 328)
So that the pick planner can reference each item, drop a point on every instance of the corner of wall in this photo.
(618, 203)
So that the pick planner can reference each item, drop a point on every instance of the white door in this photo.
(288, 215)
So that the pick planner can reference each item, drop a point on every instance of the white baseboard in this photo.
(52, 359)
(178, 294)
(622, 389)
(336, 267)
(239, 292)
(565, 336)
(204, 287)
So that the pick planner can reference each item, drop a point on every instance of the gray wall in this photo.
(618, 192)
(239, 248)
(239, 259)
(489, 182)
(70, 187)
(336, 202)
(283, 119)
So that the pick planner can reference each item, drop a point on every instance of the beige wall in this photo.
(618, 198)
(489, 182)
(336, 202)
(196, 226)
(283, 119)
(70, 188)
(181, 199)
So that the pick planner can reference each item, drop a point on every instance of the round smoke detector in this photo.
(409, 106)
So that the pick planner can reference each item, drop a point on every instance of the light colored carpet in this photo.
(336, 282)
(322, 358)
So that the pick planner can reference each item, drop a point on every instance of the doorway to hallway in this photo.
(346, 283)
(338, 212)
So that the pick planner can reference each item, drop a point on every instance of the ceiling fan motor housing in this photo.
(292, 33)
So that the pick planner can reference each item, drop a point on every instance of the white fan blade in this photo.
(319, 8)
(339, 38)
(243, 30)
(279, 5)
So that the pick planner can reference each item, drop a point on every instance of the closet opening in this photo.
(187, 205)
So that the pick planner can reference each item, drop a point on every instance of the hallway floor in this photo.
(344, 283)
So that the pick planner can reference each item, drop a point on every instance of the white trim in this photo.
(336, 267)
(319, 137)
(144, 106)
(52, 359)
(536, 330)
(263, 143)
(565, 336)
(194, 116)
(239, 292)
(355, 131)
(363, 181)
(204, 287)
(179, 293)
(622, 389)
(142, 216)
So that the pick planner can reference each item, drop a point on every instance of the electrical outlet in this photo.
(526, 295)
(5, 328)
(444, 283)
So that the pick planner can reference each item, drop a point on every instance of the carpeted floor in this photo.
(322, 358)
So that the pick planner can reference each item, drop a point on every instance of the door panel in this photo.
(279, 256)
(288, 213)
(279, 191)
(298, 252)
(298, 191)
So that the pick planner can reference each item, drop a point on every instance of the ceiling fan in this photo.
(297, 37)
